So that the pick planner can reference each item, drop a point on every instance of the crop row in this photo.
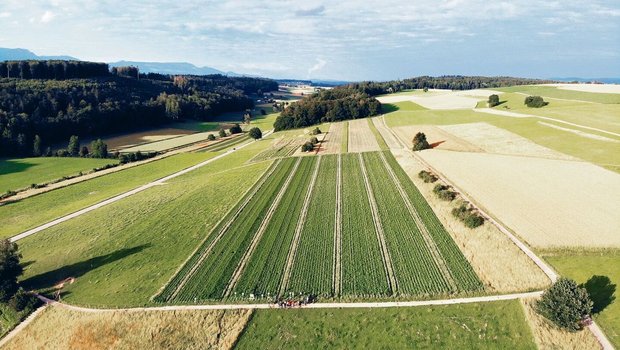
(462, 272)
(211, 278)
(264, 270)
(363, 271)
(414, 266)
(313, 266)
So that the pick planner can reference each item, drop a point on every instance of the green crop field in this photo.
(31, 212)
(554, 92)
(603, 153)
(582, 266)
(247, 253)
(496, 325)
(121, 254)
(20, 173)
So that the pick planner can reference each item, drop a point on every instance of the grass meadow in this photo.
(496, 325)
(20, 173)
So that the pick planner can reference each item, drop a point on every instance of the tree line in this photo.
(58, 70)
(54, 109)
(337, 104)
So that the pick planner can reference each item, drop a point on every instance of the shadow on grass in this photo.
(601, 292)
(10, 166)
(389, 108)
(51, 278)
(435, 144)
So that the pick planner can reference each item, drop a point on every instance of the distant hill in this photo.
(171, 68)
(587, 80)
(23, 54)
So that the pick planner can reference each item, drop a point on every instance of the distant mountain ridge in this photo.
(171, 68)
(588, 80)
(23, 54)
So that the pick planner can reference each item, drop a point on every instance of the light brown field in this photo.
(137, 138)
(549, 203)
(492, 139)
(596, 88)
(438, 138)
(332, 140)
(391, 141)
(59, 328)
(548, 336)
(170, 143)
(361, 138)
(500, 264)
(442, 99)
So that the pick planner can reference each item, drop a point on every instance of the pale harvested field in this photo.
(580, 133)
(170, 143)
(361, 138)
(133, 139)
(391, 140)
(597, 88)
(438, 138)
(499, 263)
(333, 139)
(59, 328)
(548, 336)
(549, 203)
(442, 100)
(497, 140)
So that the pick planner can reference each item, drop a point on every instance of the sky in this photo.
(341, 40)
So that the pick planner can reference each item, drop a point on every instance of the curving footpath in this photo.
(117, 198)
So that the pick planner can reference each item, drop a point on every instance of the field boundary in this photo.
(259, 233)
(430, 242)
(292, 253)
(385, 253)
(338, 228)
(123, 195)
(239, 208)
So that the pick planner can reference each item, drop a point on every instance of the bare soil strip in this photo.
(387, 260)
(259, 233)
(361, 138)
(333, 139)
(221, 233)
(338, 235)
(292, 253)
(430, 243)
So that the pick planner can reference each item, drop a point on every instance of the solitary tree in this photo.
(493, 100)
(74, 146)
(222, 133)
(211, 137)
(307, 147)
(36, 146)
(566, 304)
(419, 142)
(235, 129)
(10, 269)
(98, 149)
(255, 133)
(535, 102)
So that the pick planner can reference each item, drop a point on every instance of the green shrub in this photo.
(314, 140)
(315, 131)
(222, 133)
(535, 102)
(307, 147)
(235, 129)
(256, 133)
(211, 137)
(444, 192)
(566, 304)
(427, 176)
(469, 216)
(493, 100)
(22, 301)
(419, 142)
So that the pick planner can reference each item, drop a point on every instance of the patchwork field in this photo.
(332, 141)
(59, 328)
(497, 325)
(440, 99)
(137, 138)
(171, 143)
(258, 251)
(549, 203)
(19, 173)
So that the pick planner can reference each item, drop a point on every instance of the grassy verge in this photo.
(497, 325)
(382, 145)
(20, 173)
(344, 143)
(34, 211)
(582, 266)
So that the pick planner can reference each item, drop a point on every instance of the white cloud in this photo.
(47, 17)
(5, 14)
(320, 64)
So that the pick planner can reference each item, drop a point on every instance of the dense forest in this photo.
(55, 108)
(52, 69)
(328, 106)
(356, 100)
(451, 82)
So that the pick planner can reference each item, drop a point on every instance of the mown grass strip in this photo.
(344, 142)
(382, 145)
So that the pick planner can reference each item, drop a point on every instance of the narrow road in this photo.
(126, 194)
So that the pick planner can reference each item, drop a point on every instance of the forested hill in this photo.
(450, 82)
(356, 100)
(57, 99)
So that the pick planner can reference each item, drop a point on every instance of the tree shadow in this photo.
(51, 278)
(389, 108)
(601, 292)
(435, 144)
(9, 166)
